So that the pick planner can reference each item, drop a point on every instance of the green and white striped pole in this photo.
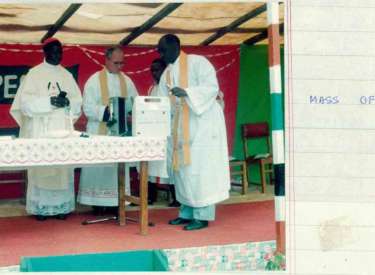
(277, 121)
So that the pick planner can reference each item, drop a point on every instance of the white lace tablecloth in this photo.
(18, 153)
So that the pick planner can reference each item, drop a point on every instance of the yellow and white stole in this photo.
(104, 94)
(182, 110)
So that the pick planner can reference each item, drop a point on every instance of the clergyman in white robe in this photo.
(99, 185)
(206, 181)
(50, 191)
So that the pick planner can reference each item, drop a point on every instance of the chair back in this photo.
(255, 131)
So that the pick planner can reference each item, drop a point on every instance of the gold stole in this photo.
(181, 109)
(104, 93)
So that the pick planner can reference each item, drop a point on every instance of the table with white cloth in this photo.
(80, 151)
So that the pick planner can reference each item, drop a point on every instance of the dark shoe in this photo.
(61, 216)
(179, 221)
(196, 224)
(40, 218)
(174, 204)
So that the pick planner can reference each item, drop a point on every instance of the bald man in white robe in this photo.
(99, 185)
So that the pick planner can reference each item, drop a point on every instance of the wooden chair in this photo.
(252, 131)
(239, 167)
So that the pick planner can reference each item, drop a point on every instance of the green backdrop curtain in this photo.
(254, 103)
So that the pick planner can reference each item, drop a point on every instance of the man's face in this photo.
(168, 52)
(115, 63)
(53, 53)
(156, 71)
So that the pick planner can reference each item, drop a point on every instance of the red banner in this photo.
(137, 62)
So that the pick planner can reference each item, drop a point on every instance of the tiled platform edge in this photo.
(232, 257)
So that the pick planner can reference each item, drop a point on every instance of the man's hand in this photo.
(106, 117)
(106, 114)
(112, 122)
(59, 102)
(62, 94)
(179, 92)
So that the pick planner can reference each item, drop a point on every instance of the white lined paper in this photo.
(330, 136)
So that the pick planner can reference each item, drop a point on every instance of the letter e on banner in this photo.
(10, 79)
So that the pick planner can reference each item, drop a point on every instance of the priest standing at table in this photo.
(198, 164)
(99, 185)
(46, 101)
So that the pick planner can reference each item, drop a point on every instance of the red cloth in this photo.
(50, 40)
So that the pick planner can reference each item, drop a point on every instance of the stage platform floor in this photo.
(240, 220)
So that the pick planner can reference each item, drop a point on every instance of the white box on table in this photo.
(151, 116)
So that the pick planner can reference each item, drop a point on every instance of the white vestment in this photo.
(50, 190)
(206, 180)
(99, 185)
(157, 170)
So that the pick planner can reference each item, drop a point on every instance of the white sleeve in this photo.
(75, 97)
(30, 102)
(92, 103)
(132, 90)
(132, 93)
(203, 93)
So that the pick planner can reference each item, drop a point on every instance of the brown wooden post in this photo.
(121, 193)
(143, 198)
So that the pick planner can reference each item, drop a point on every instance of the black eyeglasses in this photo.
(118, 63)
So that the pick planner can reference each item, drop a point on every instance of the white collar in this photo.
(50, 66)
